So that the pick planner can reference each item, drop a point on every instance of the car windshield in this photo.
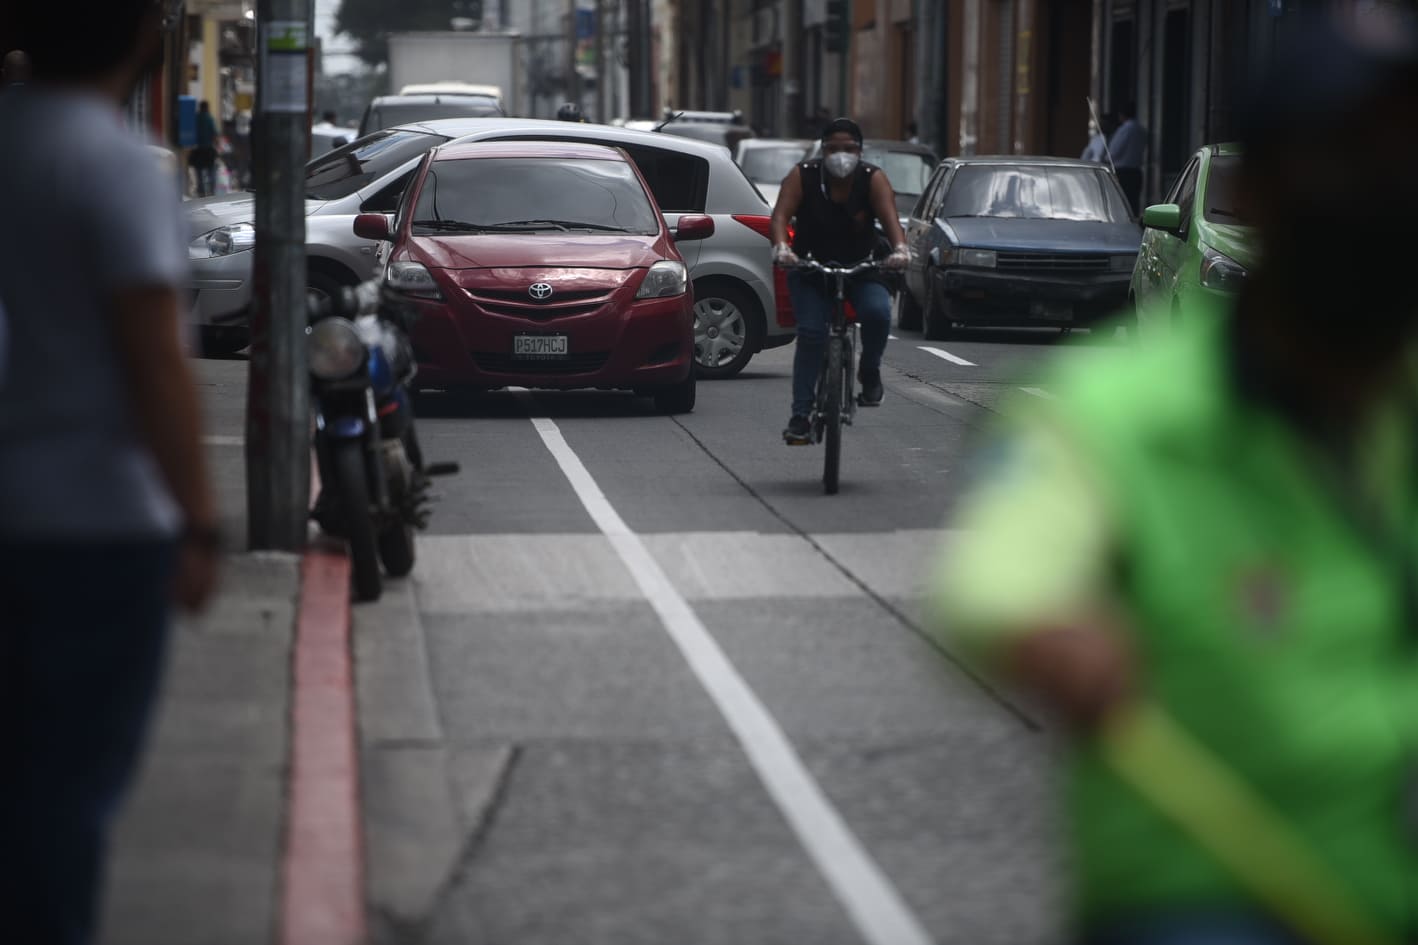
(1035, 192)
(1221, 188)
(360, 163)
(769, 165)
(406, 113)
(908, 171)
(534, 194)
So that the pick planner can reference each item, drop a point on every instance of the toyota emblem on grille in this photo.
(539, 291)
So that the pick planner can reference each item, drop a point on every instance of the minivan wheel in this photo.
(728, 328)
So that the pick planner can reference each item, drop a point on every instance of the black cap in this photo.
(842, 126)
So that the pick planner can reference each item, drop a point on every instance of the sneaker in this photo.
(799, 431)
(872, 391)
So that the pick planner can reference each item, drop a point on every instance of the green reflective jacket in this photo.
(1271, 622)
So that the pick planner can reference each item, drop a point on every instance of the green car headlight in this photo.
(1221, 273)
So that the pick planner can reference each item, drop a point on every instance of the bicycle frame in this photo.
(835, 403)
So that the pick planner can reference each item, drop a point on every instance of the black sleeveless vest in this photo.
(835, 232)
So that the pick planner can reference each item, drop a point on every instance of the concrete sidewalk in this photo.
(197, 854)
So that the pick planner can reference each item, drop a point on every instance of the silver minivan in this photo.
(737, 295)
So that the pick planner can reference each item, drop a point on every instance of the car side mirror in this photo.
(1163, 216)
(372, 226)
(693, 226)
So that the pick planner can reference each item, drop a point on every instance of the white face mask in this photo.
(841, 163)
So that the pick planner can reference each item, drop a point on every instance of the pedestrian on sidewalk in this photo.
(106, 513)
(1128, 145)
(1213, 578)
(203, 158)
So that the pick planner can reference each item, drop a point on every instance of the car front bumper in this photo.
(220, 288)
(987, 295)
(647, 344)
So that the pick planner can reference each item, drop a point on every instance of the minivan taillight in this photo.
(783, 305)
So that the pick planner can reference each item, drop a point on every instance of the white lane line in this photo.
(946, 355)
(892, 338)
(1039, 392)
(875, 907)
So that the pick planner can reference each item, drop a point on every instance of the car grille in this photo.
(516, 303)
(574, 364)
(1053, 262)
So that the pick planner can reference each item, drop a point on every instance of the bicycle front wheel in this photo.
(832, 413)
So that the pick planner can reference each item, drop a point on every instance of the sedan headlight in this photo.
(979, 258)
(665, 278)
(223, 241)
(1221, 272)
(334, 348)
(411, 278)
(1125, 263)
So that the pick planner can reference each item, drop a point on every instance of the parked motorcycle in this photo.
(374, 483)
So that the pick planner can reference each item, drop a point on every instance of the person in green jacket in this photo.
(1203, 555)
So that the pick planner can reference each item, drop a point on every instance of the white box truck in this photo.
(467, 58)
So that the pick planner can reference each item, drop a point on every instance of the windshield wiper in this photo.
(1223, 213)
(565, 225)
(457, 226)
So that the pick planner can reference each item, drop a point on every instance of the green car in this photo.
(1193, 245)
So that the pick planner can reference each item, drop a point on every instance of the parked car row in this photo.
(735, 302)
(1037, 241)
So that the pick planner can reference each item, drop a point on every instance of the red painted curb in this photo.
(322, 882)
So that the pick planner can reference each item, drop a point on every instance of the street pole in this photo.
(602, 73)
(573, 79)
(277, 394)
(842, 57)
(639, 108)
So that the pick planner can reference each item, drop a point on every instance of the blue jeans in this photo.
(812, 309)
(81, 645)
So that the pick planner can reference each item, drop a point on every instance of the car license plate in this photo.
(1052, 311)
(540, 347)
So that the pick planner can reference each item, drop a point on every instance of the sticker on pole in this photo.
(284, 83)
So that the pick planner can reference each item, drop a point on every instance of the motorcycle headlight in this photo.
(665, 278)
(411, 278)
(334, 348)
(223, 241)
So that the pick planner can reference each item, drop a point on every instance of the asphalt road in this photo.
(648, 684)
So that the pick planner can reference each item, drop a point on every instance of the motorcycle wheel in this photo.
(349, 468)
(396, 549)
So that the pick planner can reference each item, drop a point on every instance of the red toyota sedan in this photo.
(542, 264)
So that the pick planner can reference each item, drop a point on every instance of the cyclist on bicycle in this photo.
(836, 199)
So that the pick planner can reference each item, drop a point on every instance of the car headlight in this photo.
(979, 258)
(665, 278)
(411, 278)
(223, 241)
(1125, 263)
(1221, 272)
(334, 348)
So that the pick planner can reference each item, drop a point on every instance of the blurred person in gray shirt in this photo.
(106, 514)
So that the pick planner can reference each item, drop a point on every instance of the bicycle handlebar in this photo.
(812, 265)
